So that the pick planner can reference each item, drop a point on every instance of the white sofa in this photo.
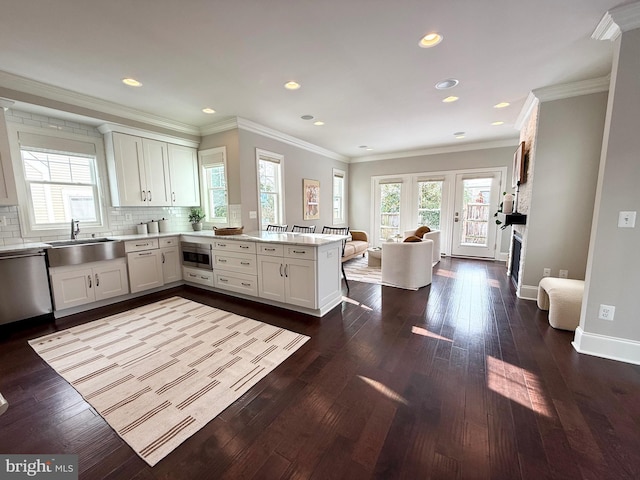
(407, 264)
(433, 235)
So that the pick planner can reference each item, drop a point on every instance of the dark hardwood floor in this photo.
(457, 380)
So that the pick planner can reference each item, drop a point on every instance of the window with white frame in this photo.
(390, 198)
(213, 179)
(270, 191)
(338, 197)
(429, 203)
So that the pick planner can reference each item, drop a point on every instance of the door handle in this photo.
(89, 278)
(286, 268)
(281, 270)
(144, 196)
(163, 258)
(149, 191)
(97, 280)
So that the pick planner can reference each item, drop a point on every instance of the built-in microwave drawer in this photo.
(236, 282)
(235, 262)
(234, 246)
(308, 253)
(274, 250)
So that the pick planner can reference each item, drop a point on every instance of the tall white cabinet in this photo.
(146, 171)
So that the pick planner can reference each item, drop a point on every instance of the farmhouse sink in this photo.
(87, 250)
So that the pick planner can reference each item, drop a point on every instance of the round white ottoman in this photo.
(563, 298)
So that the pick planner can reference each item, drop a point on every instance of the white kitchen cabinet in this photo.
(139, 170)
(8, 192)
(145, 270)
(73, 286)
(183, 172)
(171, 265)
(287, 280)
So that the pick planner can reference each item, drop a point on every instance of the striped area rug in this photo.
(159, 373)
(357, 269)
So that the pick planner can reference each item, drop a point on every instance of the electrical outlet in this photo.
(546, 272)
(564, 274)
(3, 221)
(627, 219)
(253, 214)
(128, 217)
(606, 312)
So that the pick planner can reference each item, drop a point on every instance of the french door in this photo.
(476, 199)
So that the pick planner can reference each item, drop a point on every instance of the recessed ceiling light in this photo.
(318, 123)
(292, 85)
(448, 83)
(495, 124)
(450, 99)
(501, 105)
(369, 148)
(208, 110)
(307, 117)
(132, 82)
(459, 134)
(430, 40)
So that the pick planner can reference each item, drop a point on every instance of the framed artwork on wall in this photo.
(310, 199)
(518, 175)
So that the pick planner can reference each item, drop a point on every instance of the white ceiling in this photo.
(358, 61)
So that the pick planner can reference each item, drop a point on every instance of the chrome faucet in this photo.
(75, 229)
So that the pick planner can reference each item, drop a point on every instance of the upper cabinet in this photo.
(150, 172)
(8, 193)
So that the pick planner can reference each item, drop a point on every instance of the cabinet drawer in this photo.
(235, 262)
(307, 253)
(272, 250)
(234, 246)
(237, 282)
(196, 275)
(169, 242)
(138, 245)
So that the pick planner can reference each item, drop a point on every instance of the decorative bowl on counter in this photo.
(228, 230)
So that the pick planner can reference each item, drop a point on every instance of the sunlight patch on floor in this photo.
(384, 390)
(445, 273)
(516, 384)
(354, 302)
(426, 333)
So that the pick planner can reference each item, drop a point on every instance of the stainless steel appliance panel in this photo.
(197, 255)
(24, 286)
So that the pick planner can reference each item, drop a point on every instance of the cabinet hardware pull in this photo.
(223, 279)
(286, 270)
(193, 275)
(299, 251)
(145, 253)
(243, 246)
(144, 196)
(269, 249)
(245, 263)
(97, 280)
(221, 244)
(173, 196)
(281, 270)
(222, 260)
(163, 258)
(149, 194)
(89, 278)
(142, 244)
(203, 277)
(246, 284)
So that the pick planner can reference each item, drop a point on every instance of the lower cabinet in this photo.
(145, 270)
(287, 280)
(198, 275)
(171, 265)
(73, 286)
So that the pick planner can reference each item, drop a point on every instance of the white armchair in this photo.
(407, 264)
(432, 235)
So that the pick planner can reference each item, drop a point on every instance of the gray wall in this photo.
(231, 140)
(613, 272)
(563, 186)
(360, 174)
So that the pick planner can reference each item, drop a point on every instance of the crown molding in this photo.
(574, 89)
(5, 103)
(616, 21)
(529, 105)
(50, 92)
(438, 150)
(249, 126)
(138, 132)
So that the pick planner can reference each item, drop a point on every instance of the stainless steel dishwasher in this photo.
(24, 285)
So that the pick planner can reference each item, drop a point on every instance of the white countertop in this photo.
(20, 247)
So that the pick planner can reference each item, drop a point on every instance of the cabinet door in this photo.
(8, 192)
(110, 280)
(171, 269)
(300, 282)
(156, 165)
(130, 173)
(72, 288)
(271, 278)
(145, 270)
(183, 169)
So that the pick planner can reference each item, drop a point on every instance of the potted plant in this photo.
(195, 217)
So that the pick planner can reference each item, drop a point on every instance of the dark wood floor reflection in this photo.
(456, 380)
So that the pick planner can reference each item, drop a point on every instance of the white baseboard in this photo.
(502, 256)
(528, 292)
(612, 348)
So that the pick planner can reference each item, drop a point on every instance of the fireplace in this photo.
(516, 249)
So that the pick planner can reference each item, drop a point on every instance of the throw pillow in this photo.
(412, 238)
(421, 231)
